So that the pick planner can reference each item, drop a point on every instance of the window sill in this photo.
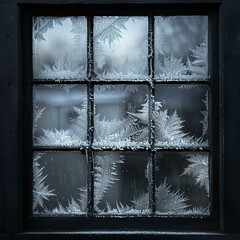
(122, 235)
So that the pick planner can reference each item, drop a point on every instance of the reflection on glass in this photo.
(119, 186)
(120, 47)
(182, 183)
(59, 47)
(182, 120)
(59, 115)
(181, 48)
(59, 183)
(121, 116)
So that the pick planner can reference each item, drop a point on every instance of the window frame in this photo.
(15, 84)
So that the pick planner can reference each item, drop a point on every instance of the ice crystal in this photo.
(72, 208)
(109, 29)
(66, 60)
(195, 211)
(76, 135)
(172, 68)
(41, 191)
(64, 67)
(198, 168)
(199, 66)
(37, 114)
(79, 124)
(42, 24)
(119, 133)
(169, 130)
(141, 202)
(59, 138)
(169, 202)
(104, 176)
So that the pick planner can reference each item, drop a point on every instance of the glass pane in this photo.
(59, 47)
(120, 47)
(121, 116)
(59, 183)
(119, 186)
(181, 115)
(181, 48)
(59, 115)
(182, 183)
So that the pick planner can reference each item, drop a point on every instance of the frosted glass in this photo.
(181, 48)
(121, 116)
(120, 47)
(59, 47)
(181, 115)
(182, 183)
(59, 115)
(59, 183)
(121, 183)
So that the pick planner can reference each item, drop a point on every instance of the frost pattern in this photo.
(107, 192)
(173, 60)
(120, 47)
(114, 126)
(67, 116)
(198, 168)
(41, 191)
(104, 176)
(168, 202)
(117, 133)
(59, 47)
(60, 204)
(72, 208)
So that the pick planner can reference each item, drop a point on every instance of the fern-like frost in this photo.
(41, 191)
(198, 168)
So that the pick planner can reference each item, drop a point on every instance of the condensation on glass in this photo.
(130, 136)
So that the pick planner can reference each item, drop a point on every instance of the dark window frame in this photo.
(15, 85)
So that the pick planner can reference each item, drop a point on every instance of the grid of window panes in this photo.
(120, 116)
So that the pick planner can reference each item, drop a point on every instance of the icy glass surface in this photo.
(181, 115)
(181, 48)
(59, 47)
(59, 115)
(120, 47)
(121, 116)
(182, 183)
(59, 183)
(121, 183)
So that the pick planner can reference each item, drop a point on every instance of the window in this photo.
(121, 109)
(121, 116)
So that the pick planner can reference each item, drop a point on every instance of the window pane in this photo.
(182, 183)
(181, 48)
(59, 47)
(59, 115)
(181, 117)
(119, 186)
(121, 47)
(121, 116)
(59, 183)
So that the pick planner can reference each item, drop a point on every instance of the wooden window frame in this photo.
(15, 103)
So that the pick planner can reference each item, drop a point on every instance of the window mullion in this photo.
(151, 111)
(90, 104)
